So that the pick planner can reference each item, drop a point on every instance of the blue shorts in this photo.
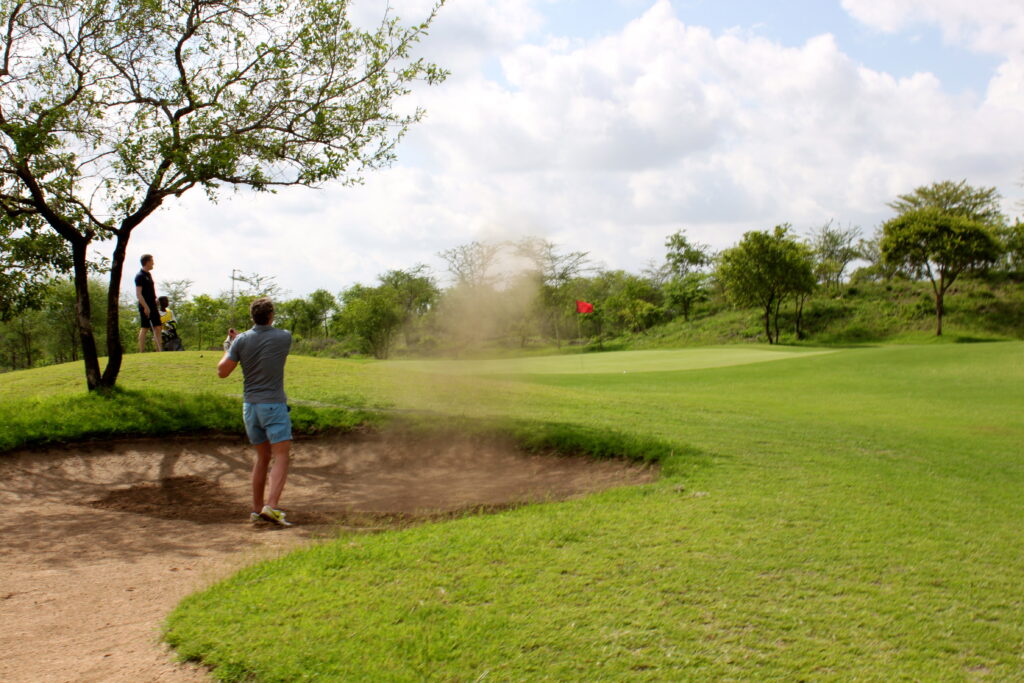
(267, 422)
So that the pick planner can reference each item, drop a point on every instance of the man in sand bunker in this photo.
(262, 352)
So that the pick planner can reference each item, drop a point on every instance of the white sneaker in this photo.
(275, 516)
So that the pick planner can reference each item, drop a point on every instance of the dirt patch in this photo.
(100, 541)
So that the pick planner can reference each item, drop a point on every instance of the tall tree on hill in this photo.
(685, 261)
(833, 248)
(943, 230)
(940, 245)
(763, 270)
(108, 108)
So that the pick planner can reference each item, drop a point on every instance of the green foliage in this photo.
(939, 244)
(309, 317)
(833, 249)
(417, 294)
(623, 303)
(372, 314)
(684, 257)
(49, 332)
(29, 258)
(978, 204)
(763, 270)
(203, 321)
(682, 293)
(1012, 242)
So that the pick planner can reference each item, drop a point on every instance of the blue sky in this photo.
(605, 126)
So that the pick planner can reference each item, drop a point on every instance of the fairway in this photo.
(614, 362)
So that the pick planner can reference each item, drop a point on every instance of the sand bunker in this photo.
(100, 541)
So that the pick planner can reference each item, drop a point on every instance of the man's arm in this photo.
(142, 301)
(226, 366)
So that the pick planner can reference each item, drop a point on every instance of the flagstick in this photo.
(579, 334)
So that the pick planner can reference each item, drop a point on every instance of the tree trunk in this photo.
(800, 315)
(115, 351)
(775, 319)
(83, 316)
(768, 322)
(938, 312)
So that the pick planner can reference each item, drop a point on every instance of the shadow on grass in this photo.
(965, 339)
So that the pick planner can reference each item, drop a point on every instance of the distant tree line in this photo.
(523, 293)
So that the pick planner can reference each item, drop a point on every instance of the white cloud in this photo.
(678, 125)
(611, 144)
(995, 26)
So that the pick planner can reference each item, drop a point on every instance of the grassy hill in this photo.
(896, 312)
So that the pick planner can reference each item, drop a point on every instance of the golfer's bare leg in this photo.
(158, 340)
(259, 474)
(142, 340)
(279, 472)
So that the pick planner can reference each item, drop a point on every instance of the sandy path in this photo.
(98, 542)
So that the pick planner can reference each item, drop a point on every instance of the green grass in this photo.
(603, 363)
(848, 515)
(160, 394)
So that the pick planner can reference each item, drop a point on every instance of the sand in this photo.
(99, 541)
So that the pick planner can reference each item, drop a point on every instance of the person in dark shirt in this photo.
(149, 313)
(262, 352)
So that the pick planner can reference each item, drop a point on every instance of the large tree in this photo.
(833, 248)
(416, 292)
(553, 271)
(938, 244)
(110, 107)
(683, 257)
(943, 230)
(763, 270)
(684, 262)
(373, 315)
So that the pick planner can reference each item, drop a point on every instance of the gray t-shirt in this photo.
(262, 352)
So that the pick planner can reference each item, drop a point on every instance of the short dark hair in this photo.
(146, 258)
(164, 302)
(261, 310)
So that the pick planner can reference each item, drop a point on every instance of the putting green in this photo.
(611, 362)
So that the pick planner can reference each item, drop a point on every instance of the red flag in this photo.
(584, 307)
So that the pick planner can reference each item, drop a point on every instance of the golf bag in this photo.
(171, 340)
